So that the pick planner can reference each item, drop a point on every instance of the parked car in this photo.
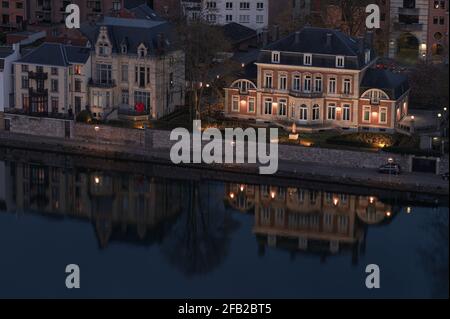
(393, 169)
(445, 176)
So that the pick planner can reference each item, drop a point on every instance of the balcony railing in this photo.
(307, 95)
(102, 84)
(408, 27)
(38, 92)
(37, 75)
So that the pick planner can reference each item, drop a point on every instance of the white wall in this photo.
(6, 80)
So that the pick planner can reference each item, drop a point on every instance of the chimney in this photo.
(276, 33)
(160, 41)
(265, 37)
(361, 42)
(329, 38)
(16, 47)
(297, 37)
(368, 39)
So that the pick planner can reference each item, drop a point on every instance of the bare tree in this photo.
(203, 45)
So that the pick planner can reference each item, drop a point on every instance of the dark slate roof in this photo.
(6, 51)
(143, 11)
(236, 33)
(312, 40)
(56, 54)
(133, 32)
(394, 84)
(130, 4)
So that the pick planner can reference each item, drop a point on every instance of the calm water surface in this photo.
(141, 236)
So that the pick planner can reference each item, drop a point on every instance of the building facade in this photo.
(52, 80)
(418, 30)
(136, 69)
(14, 14)
(320, 78)
(253, 14)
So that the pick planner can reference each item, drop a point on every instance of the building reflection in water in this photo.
(188, 218)
(305, 220)
(120, 206)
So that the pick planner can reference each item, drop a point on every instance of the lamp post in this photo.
(97, 129)
(390, 161)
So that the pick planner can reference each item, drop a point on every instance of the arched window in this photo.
(243, 85)
(375, 96)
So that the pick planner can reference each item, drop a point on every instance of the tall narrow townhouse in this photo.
(52, 80)
(319, 79)
(138, 69)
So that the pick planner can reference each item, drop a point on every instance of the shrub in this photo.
(84, 116)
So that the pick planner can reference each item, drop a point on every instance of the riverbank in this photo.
(288, 169)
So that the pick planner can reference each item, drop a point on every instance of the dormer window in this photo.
(103, 49)
(124, 49)
(275, 57)
(367, 56)
(340, 61)
(142, 51)
(307, 59)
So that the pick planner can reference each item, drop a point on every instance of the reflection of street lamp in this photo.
(272, 194)
(388, 214)
(97, 180)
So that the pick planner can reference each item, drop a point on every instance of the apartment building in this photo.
(409, 28)
(51, 80)
(8, 55)
(137, 68)
(53, 11)
(14, 14)
(437, 42)
(253, 14)
(320, 78)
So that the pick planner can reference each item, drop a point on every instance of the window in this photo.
(104, 73)
(235, 104)
(211, 18)
(116, 5)
(331, 114)
(307, 59)
(318, 84)
(211, 5)
(144, 98)
(282, 107)
(54, 104)
(259, 18)
(375, 96)
(383, 115)
(283, 82)
(268, 80)
(332, 85)
(260, 5)
(303, 112)
(229, 5)
(296, 83)
(24, 68)
(366, 114)
(244, 18)
(244, 5)
(103, 49)
(54, 71)
(279, 216)
(77, 85)
(316, 112)
(347, 86)
(54, 85)
(268, 106)
(125, 97)
(124, 72)
(340, 61)
(25, 102)
(307, 84)
(77, 69)
(25, 82)
(275, 57)
(346, 112)
(251, 105)
(101, 99)
(229, 18)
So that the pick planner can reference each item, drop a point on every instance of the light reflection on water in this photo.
(142, 236)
